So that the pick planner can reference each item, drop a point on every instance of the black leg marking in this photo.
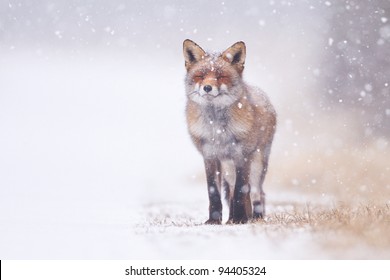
(241, 197)
(213, 171)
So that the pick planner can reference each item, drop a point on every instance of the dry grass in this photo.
(339, 227)
(369, 224)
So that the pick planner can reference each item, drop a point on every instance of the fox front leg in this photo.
(241, 204)
(213, 173)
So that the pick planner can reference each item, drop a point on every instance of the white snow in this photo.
(384, 32)
(262, 22)
(58, 34)
(96, 165)
(79, 160)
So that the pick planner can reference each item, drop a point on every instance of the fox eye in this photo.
(223, 79)
(198, 78)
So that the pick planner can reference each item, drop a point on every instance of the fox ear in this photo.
(192, 53)
(235, 55)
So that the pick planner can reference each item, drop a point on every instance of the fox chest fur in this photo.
(223, 133)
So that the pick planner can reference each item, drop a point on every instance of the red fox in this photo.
(232, 125)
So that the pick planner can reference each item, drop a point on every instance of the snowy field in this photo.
(96, 163)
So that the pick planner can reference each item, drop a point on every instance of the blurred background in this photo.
(92, 123)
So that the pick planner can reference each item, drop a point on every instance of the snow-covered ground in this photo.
(96, 163)
(85, 143)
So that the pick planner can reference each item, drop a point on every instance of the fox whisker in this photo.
(193, 92)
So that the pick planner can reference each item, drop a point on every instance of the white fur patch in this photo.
(254, 179)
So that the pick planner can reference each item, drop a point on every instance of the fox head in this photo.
(214, 78)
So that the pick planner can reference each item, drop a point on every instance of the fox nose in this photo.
(207, 88)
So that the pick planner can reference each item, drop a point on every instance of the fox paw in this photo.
(258, 216)
(233, 221)
(258, 210)
(240, 221)
(213, 222)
